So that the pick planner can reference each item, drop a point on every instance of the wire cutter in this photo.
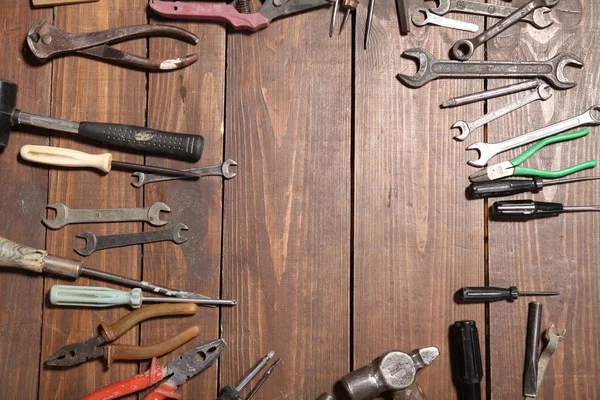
(179, 371)
(512, 167)
(46, 41)
(77, 353)
(270, 10)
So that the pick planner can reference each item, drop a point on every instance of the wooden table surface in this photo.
(346, 231)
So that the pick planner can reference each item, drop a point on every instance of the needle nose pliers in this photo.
(179, 371)
(512, 167)
(77, 353)
(209, 11)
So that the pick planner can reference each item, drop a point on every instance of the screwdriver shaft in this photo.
(154, 170)
(253, 372)
(205, 302)
(262, 380)
(369, 21)
(539, 293)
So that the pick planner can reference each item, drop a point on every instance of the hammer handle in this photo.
(179, 146)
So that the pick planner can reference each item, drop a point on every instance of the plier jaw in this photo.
(494, 172)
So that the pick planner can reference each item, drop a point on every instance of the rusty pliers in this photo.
(46, 41)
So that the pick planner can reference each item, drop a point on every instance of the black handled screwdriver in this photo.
(523, 210)
(509, 187)
(487, 294)
(466, 359)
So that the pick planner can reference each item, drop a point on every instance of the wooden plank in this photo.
(416, 238)
(24, 192)
(556, 254)
(90, 90)
(287, 215)
(191, 101)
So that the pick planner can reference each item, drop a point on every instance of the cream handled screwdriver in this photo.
(78, 159)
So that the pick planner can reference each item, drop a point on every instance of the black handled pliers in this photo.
(46, 41)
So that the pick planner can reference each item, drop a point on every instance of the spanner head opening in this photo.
(462, 50)
(442, 8)
(419, 16)
(176, 233)
(227, 174)
(59, 219)
(540, 18)
(424, 59)
(594, 112)
(90, 244)
(464, 130)
(484, 154)
(154, 214)
(561, 62)
(141, 177)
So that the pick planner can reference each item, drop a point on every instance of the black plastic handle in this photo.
(502, 188)
(485, 294)
(523, 210)
(469, 373)
(179, 146)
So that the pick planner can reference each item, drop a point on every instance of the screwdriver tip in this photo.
(271, 354)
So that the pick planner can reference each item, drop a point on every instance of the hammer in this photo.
(179, 146)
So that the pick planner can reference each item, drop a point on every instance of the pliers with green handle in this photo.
(512, 167)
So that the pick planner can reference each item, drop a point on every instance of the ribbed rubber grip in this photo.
(179, 146)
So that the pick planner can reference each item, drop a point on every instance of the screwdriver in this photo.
(263, 379)
(73, 158)
(350, 6)
(486, 294)
(509, 187)
(466, 359)
(523, 210)
(369, 21)
(233, 392)
(96, 296)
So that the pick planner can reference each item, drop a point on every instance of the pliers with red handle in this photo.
(270, 10)
(179, 371)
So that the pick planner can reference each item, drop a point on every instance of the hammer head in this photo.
(8, 101)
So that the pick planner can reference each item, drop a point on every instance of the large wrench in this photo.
(93, 242)
(430, 69)
(543, 92)
(489, 150)
(65, 215)
(215, 170)
(463, 49)
(537, 18)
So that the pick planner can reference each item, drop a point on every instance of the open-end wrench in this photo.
(422, 16)
(65, 215)
(537, 18)
(463, 49)
(543, 92)
(553, 341)
(489, 150)
(215, 170)
(93, 242)
(430, 69)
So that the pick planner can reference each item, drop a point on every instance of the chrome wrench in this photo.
(537, 18)
(491, 93)
(423, 16)
(489, 150)
(463, 49)
(215, 170)
(543, 92)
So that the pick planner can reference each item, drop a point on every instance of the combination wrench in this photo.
(489, 150)
(430, 69)
(215, 170)
(537, 18)
(65, 215)
(554, 340)
(422, 16)
(463, 49)
(93, 242)
(543, 93)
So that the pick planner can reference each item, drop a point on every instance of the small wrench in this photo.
(537, 18)
(215, 170)
(463, 49)
(93, 242)
(543, 92)
(430, 69)
(65, 215)
(553, 341)
(489, 150)
(423, 16)
(492, 93)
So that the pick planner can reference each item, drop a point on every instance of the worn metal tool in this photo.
(463, 49)
(263, 379)
(537, 18)
(46, 41)
(542, 93)
(492, 93)
(553, 341)
(430, 69)
(214, 170)
(487, 294)
(181, 146)
(393, 371)
(334, 11)
(534, 329)
(14, 255)
(178, 371)
(489, 150)
(524, 210)
(422, 16)
(350, 6)
(97, 296)
(78, 353)
(467, 359)
(66, 216)
(93, 242)
(209, 11)
(369, 22)
(509, 187)
(60, 157)
(233, 392)
(402, 11)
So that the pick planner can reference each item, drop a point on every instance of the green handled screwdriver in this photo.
(487, 294)
(524, 210)
(96, 296)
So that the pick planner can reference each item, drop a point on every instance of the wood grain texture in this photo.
(191, 101)
(560, 253)
(89, 90)
(416, 238)
(24, 190)
(287, 214)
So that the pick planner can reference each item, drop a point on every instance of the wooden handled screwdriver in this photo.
(78, 159)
